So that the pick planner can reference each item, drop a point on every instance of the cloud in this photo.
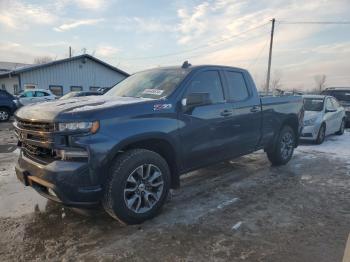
(91, 4)
(106, 51)
(141, 24)
(17, 15)
(77, 23)
(192, 24)
(81, 4)
(51, 44)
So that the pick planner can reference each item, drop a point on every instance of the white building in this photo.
(83, 72)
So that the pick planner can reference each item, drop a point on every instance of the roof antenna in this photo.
(186, 64)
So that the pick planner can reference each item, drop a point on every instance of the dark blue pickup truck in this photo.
(7, 105)
(127, 148)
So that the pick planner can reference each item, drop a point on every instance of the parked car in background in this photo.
(104, 90)
(7, 105)
(342, 94)
(34, 96)
(323, 116)
(127, 148)
(81, 93)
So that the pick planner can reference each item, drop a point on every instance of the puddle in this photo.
(7, 148)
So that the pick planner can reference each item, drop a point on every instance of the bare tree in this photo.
(320, 82)
(42, 59)
(276, 80)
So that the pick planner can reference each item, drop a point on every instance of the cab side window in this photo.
(40, 94)
(208, 82)
(237, 87)
(29, 94)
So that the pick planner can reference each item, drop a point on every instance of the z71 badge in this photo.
(162, 107)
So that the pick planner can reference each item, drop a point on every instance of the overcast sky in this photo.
(134, 35)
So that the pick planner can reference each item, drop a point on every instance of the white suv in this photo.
(34, 96)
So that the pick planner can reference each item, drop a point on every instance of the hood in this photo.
(312, 114)
(48, 111)
(344, 103)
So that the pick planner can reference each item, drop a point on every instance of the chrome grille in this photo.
(35, 126)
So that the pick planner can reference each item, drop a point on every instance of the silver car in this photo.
(323, 116)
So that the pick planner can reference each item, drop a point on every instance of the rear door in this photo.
(330, 117)
(40, 96)
(245, 122)
(339, 114)
(204, 130)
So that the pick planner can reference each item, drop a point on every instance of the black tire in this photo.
(342, 128)
(116, 189)
(4, 114)
(282, 151)
(321, 135)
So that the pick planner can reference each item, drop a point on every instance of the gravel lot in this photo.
(242, 210)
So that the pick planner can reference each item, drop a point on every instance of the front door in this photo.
(204, 129)
(27, 97)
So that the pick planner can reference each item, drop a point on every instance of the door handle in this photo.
(255, 109)
(226, 112)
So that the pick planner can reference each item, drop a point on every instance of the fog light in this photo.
(71, 154)
(51, 192)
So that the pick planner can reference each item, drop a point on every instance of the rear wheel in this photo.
(138, 186)
(4, 114)
(321, 135)
(342, 128)
(283, 150)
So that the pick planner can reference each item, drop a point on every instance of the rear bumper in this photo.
(347, 117)
(61, 181)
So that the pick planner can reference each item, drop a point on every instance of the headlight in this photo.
(310, 122)
(79, 126)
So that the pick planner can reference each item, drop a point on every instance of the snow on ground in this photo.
(334, 146)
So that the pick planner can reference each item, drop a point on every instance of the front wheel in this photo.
(283, 150)
(137, 187)
(4, 115)
(321, 135)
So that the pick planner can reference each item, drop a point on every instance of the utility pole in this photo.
(70, 52)
(270, 57)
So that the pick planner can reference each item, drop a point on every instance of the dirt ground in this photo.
(242, 210)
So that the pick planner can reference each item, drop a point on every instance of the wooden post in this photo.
(270, 57)
(346, 257)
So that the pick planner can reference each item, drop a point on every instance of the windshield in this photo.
(313, 104)
(69, 95)
(155, 83)
(341, 95)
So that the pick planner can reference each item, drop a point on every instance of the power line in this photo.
(195, 48)
(314, 22)
(257, 58)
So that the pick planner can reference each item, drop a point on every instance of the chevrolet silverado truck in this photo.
(125, 150)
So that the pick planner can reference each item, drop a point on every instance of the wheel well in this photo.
(5, 107)
(163, 148)
(293, 123)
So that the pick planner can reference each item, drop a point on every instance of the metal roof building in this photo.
(83, 72)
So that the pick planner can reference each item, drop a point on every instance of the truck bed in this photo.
(275, 110)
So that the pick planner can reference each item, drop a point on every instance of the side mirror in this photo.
(196, 99)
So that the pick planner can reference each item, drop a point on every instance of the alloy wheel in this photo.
(143, 188)
(4, 115)
(287, 145)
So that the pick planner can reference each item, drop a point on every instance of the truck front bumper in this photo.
(65, 182)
